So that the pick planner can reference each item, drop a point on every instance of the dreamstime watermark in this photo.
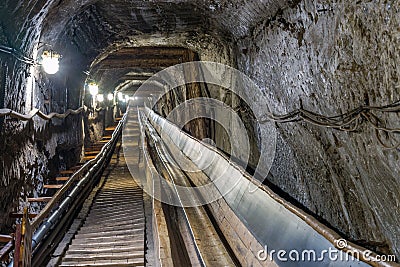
(331, 254)
(236, 90)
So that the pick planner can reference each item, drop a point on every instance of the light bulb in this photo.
(120, 96)
(100, 98)
(110, 97)
(93, 89)
(50, 62)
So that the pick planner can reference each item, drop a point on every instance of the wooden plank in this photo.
(107, 137)
(93, 152)
(39, 199)
(52, 186)
(67, 172)
(88, 157)
(19, 215)
(5, 238)
(62, 178)
(112, 128)
(6, 250)
(17, 251)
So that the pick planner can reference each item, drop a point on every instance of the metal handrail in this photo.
(89, 170)
(6, 250)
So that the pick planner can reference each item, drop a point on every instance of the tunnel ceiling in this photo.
(127, 68)
(87, 28)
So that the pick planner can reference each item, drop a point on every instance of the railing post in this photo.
(17, 250)
(27, 240)
(23, 242)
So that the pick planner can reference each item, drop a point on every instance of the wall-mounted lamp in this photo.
(50, 62)
(110, 97)
(100, 98)
(120, 96)
(93, 89)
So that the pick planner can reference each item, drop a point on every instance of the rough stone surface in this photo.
(330, 57)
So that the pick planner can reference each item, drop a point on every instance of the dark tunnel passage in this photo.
(326, 72)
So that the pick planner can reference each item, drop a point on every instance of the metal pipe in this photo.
(95, 169)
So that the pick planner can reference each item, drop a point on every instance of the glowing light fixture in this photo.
(50, 62)
(110, 97)
(100, 98)
(93, 89)
(120, 96)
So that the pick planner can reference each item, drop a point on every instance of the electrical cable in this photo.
(16, 54)
(35, 112)
(349, 121)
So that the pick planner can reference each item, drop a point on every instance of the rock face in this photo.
(328, 57)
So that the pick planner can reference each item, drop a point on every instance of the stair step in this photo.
(111, 257)
(103, 244)
(93, 152)
(20, 215)
(111, 238)
(96, 222)
(104, 250)
(52, 186)
(88, 157)
(62, 178)
(67, 172)
(98, 264)
(109, 233)
(95, 229)
(39, 199)
(101, 264)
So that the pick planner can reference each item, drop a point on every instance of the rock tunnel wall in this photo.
(30, 151)
(330, 57)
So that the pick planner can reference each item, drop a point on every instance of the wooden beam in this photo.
(39, 199)
(6, 250)
(67, 172)
(52, 186)
(145, 62)
(19, 215)
(62, 178)
(150, 51)
(93, 152)
(89, 157)
(5, 238)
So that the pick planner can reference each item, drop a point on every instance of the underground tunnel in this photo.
(199, 133)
